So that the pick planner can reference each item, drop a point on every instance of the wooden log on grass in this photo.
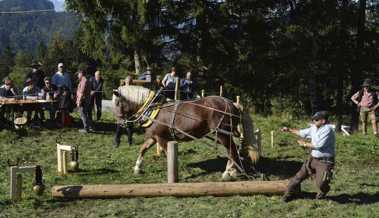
(170, 189)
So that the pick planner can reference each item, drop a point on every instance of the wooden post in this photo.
(15, 195)
(221, 92)
(177, 91)
(62, 151)
(158, 150)
(258, 136)
(202, 93)
(172, 162)
(238, 100)
(16, 180)
(272, 139)
(170, 189)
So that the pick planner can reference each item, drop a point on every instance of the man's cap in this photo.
(46, 78)
(60, 65)
(35, 64)
(367, 83)
(7, 81)
(28, 81)
(320, 115)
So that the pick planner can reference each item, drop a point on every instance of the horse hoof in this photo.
(226, 176)
(137, 171)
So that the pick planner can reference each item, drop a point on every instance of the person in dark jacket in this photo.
(96, 83)
(36, 75)
(6, 91)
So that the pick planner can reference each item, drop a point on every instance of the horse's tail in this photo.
(249, 142)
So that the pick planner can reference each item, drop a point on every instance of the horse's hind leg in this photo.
(230, 169)
(144, 147)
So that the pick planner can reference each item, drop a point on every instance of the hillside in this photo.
(23, 31)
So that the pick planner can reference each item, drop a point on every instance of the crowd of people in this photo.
(58, 93)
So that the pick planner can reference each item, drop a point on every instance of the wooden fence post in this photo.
(238, 100)
(272, 139)
(177, 91)
(172, 162)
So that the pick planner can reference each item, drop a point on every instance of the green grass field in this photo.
(355, 188)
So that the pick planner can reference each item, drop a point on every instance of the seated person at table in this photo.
(6, 91)
(49, 92)
(32, 92)
(65, 105)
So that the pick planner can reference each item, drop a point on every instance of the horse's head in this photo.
(127, 100)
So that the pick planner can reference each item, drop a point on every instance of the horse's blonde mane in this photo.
(131, 97)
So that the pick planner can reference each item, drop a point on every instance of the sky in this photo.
(59, 5)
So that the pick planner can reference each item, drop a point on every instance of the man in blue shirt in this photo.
(321, 160)
(62, 78)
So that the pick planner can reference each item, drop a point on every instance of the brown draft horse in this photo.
(186, 120)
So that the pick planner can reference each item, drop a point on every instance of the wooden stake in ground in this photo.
(221, 91)
(272, 138)
(177, 91)
(16, 180)
(172, 162)
(202, 93)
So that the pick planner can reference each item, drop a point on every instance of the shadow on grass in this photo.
(358, 198)
(209, 166)
(269, 167)
(283, 169)
(100, 171)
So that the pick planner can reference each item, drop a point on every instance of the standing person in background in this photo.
(96, 83)
(168, 83)
(121, 118)
(367, 101)
(36, 75)
(169, 78)
(62, 78)
(320, 163)
(83, 97)
(188, 86)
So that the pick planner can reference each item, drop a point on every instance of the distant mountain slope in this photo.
(25, 31)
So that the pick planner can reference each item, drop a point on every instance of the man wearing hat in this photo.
(36, 75)
(321, 160)
(367, 101)
(61, 78)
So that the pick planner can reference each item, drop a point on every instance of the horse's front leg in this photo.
(144, 147)
(230, 170)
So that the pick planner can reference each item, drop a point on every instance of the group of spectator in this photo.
(58, 92)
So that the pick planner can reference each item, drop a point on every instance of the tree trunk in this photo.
(341, 66)
(356, 75)
(137, 61)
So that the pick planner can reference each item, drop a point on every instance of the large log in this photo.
(170, 189)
